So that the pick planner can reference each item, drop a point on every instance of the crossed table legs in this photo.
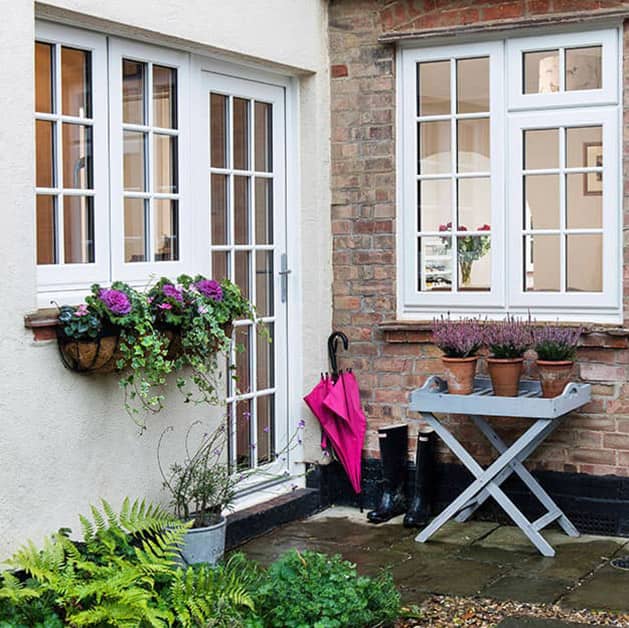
(488, 481)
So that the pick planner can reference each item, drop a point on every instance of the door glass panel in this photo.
(242, 272)
(263, 137)
(164, 97)
(133, 92)
(473, 145)
(583, 68)
(134, 161)
(542, 263)
(135, 230)
(78, 228)
(474, 261)
(45, 151)
(165, 160)
(264, 210)
(434, 147)
(244, 446)
(241, 210)
(241, 134)
(43, 77)
(435, 204)
(435, 263)
(541, 201)
(584, 200)
(220, 265)
(584, 253)
(541, 72)
(219, 209)
(218, 130)
(264, 283)
(266, 421)
(474, 203)
(46, 230)
(166, 230)
(472, 85)
(76, 142)
(265, 377)
(434, 88)
(541, 149)
(75, 83)
(584, 147)
(243, 359)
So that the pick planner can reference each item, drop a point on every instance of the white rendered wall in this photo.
(65, 439)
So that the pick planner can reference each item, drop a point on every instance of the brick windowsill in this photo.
(419, 332)
(43, 323)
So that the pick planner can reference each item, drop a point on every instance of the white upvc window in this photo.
(510, 198)
(112, 161)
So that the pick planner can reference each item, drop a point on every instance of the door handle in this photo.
(283, 273)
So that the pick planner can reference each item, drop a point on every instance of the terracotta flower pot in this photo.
(505, 375)
(91, 356)
(554, 376)
(459, 373)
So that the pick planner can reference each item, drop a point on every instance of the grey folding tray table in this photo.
(545, 415)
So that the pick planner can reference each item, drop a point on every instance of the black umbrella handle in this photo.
(333, 340)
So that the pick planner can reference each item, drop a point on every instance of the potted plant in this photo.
(556, 348)
(507, 340)
(460, 341)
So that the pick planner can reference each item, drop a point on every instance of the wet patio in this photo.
(473, 559)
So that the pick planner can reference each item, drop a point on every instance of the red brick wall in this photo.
(390, 363)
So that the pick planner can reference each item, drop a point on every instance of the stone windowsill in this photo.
(419, 332)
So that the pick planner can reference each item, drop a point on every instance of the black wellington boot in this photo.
(393, 442)
(419, 511)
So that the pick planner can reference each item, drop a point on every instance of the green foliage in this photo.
(309, 589)
(79, 322)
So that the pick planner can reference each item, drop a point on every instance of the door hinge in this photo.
(284, 272)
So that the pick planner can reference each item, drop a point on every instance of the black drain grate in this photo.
(621, 563)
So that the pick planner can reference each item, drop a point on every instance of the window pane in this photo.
(219, 216)
(241, 134)
(78, 229)
(43, 77)
(77, 156)
(264, 210)
(584, 200)
(135, 230)
(76, 83)
(541, 72)
(584, 263)
(165, 163)
(541, 149)
(243, 433)
(242, 272)
(542, 259)
(164, 97)
(220, 265)
(435, 263)
(473, 145)
(474, 203)
(264, 283)
(166, 230)
(434, 88)
(266, 432)
(218, 131)
(241, 210)
(583, 68)
(541, 201)
(474, 260)
(45, 160)
(264, 137)
(134, 161)
(435, 204)
(434, 147)
(584, 147)
(243, 359)
(472, 77)
(133, 92)
(46, 230)
(265, 368)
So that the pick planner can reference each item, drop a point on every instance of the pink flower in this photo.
(202, 309)
(116, 301)
(484, 227)
(165, 306)
(81, 310)
(462, 228)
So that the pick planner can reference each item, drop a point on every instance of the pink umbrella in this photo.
(337, 406)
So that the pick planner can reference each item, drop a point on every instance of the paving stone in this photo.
(413, 597)
(497, 555)
(606, 589)
(527, 589)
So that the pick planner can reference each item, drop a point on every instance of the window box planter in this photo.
(98, 355)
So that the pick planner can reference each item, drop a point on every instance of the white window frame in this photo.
(54, 280)
(574, 108)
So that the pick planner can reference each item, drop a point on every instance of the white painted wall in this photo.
(65, 439)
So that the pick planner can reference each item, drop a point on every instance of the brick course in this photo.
(391, 360)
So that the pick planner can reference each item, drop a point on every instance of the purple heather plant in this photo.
(210, 288)
(508, 339)
(457, 338)
(556, 344)
(116, 301)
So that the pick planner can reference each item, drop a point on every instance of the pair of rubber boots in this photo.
(393, 442)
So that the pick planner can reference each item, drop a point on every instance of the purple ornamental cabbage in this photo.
(172, 292)
(457, 339)
(210, 288)
(116, 301)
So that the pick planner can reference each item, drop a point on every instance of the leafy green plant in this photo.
(312, 589)
(556, 344)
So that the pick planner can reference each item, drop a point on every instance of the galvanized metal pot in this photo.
(205, 545)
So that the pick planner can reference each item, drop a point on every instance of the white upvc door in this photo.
(242, 158)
